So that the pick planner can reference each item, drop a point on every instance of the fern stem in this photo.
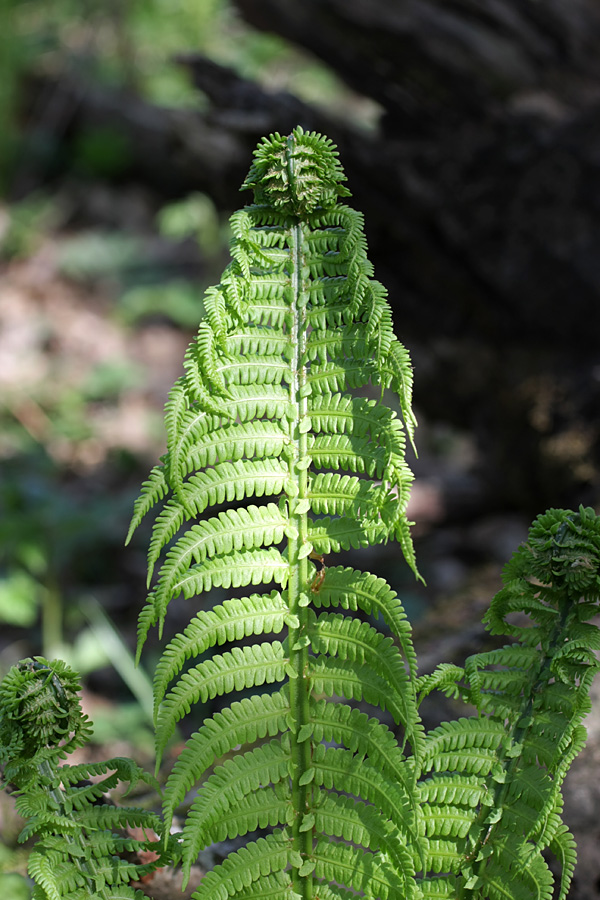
(298, 550)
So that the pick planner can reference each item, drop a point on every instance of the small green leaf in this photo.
(307, 867)
(303, 463)
(307, 776)
(494, 816)
(308, 822)
(305, 550)
(291, 620)
(290, 670)
(514, 750)
(301, 643)
(291, 487)
(305, 732)
(295, 859)
(305, 425)
(301, 506)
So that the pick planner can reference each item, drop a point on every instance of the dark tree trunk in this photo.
(481, 193)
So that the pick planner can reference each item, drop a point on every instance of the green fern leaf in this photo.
(338, 677)
(367, 737)
(233, 620)
(246, 868)
(263, 808)
(153, 490)
(358, 869)
(226, 787)
(244, 722)
(438, 887)
(238, 669)
(360, 824)
(355, 590)
(339, 769)
(361, 644)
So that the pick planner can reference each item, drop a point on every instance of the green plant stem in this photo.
(298, 584)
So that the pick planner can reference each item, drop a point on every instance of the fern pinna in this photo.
(83, 845)
(281, 450)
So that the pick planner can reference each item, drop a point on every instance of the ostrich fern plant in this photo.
(281, 449)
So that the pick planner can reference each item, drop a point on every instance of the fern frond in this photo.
(464, 745)
(246, 868)
(153, 490)
(80, 843)
(438, 887)
(236, 529)
(338, 768)
(341, 678)
(230, 783)
(359, 870)
(236, 569)
(276, 886)
(358, 823)
(361, 644)
(564, 849)
(224, 482)
(233, 620)
(367, 737)
(353, 590)
(238, 669)
(330, 535)
(244, 722)
(263, 808)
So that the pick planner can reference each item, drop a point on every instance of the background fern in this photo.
(83, 843)
(490, 784)
(280, 450)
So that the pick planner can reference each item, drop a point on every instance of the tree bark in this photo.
(479, 191)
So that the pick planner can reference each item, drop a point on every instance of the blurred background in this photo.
(470, 134)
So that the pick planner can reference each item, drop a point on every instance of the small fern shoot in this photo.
(82, 843)
(280, 450)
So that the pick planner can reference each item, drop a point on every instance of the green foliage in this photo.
(280, 450)
(83, 844)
